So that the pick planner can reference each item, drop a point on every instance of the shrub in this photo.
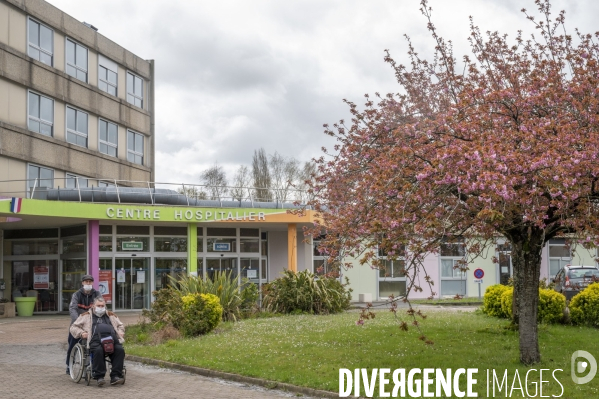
(226, 287)
(550, 309)
(551, 306)
(201, 314)
(165, 309)
(249, 299)
(304, 292)
(584, 306)
(492, 300)
(507, 298)
(191, 314)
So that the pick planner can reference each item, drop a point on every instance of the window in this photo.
(135, 148)
(135, 90)
(106, 244)
(453, 279)
(107, 75)
(173, 239)
(450, 268)
(74, 181)
(392, 278)
(559, 255)
(44, 176)
(108, 138)
(41, 114)
(105, 184)
(41, 46)
(76, 60)
(76, 127)
(170, 244)
(249, 244)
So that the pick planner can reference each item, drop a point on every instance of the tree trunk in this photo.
(526, 258)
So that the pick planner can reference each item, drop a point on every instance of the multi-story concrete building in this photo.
(75, 107)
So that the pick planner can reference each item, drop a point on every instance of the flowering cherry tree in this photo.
(504, 142)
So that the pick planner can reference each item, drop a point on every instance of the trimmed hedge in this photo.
(551, 305)
(492, 300)
(584, 306)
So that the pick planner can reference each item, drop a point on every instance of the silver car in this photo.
(572, 279)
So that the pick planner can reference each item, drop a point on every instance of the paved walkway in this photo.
(32, 365)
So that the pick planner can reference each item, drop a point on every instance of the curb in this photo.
(465, 304)
(235, 377)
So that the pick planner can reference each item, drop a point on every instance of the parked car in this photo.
(570, 280)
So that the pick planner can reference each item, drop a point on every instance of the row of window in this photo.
(41, 120)
(42, 177)
(41, 47)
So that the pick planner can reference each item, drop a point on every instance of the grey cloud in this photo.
(235, 76)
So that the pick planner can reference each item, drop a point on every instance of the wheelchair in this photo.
(80, 363)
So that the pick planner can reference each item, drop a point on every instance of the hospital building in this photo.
(78, 193)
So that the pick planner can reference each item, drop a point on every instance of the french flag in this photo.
(15, 205)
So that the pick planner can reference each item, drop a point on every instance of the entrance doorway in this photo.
(226, 265)
(504, 252)
(132, 280)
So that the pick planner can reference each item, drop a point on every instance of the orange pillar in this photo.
(292, 246)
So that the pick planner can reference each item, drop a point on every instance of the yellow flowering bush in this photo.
(201, 314)
(550, 309)
(492, 300)
(584, 306)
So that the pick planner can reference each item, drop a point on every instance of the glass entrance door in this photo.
(132, 289)
(227, 265)
(505, 262)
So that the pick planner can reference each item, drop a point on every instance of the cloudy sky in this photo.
(234, 76)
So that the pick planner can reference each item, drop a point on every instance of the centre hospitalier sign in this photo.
(151, 213)
(214, 215)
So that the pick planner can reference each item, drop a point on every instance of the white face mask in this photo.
(99, 311)
(87, 287)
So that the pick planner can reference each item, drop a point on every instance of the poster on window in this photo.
(41, 278)
(105, 285)
(252, 274)
(120, 276)
(141, 276)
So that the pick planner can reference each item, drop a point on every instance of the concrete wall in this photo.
(11, 169)
(277, 257)
(362, 279)
(13, 27)
(304, 253)
(13, 104)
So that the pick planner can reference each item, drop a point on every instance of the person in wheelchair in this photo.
(99, 327)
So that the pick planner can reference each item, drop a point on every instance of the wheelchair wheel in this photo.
(76, 363)
(124, 375)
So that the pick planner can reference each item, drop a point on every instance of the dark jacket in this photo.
(81, 302)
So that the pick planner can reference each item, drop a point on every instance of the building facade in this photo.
(495, 265)
(78, 194)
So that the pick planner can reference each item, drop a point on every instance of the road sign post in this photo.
(478, 275)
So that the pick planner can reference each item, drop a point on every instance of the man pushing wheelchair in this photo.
(105, 334)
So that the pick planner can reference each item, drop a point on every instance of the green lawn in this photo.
(309, 350)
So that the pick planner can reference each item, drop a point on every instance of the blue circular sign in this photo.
(479, 273)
